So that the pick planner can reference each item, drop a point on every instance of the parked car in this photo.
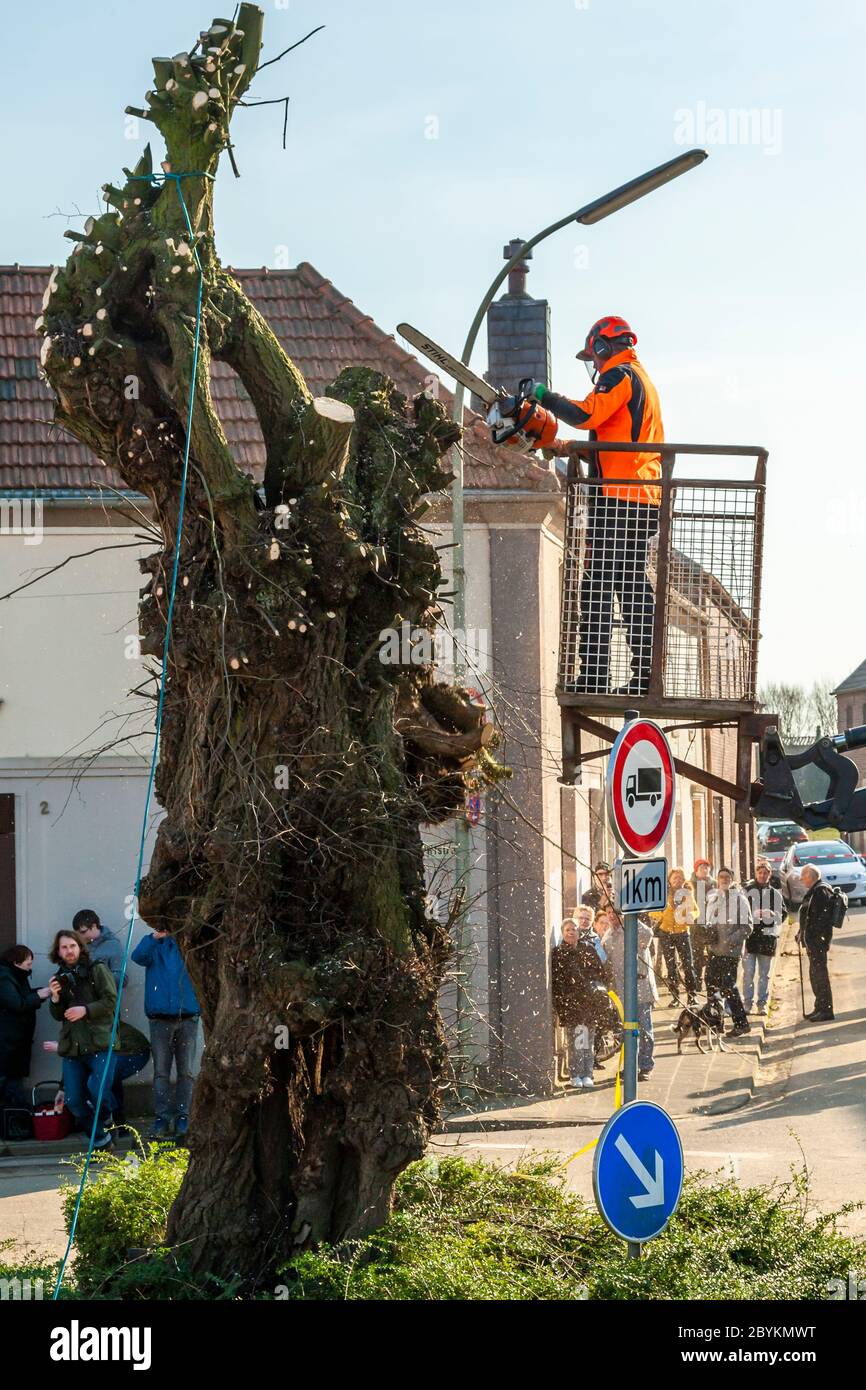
(774, 858)
(838, 864)
(779, 835)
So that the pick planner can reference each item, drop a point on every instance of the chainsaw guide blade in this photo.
(452, 366)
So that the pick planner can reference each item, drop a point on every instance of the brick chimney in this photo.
(518, 330)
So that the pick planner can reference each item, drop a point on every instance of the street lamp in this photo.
(590, 214)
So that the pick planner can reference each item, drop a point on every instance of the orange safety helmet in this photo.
(602, 338)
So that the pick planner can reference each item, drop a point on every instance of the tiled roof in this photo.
(856, 680)
(319, 328)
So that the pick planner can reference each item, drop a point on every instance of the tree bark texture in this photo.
(295, 767)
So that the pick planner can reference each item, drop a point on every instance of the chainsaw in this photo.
(516, 420)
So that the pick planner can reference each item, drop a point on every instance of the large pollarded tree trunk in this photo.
(295, 767)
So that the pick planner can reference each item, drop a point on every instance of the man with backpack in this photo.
(822, 909)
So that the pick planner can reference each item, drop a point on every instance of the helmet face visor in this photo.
(591, 369)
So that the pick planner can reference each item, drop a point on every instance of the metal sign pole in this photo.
(629, 1075)
(639, 1143)
(630, 1026)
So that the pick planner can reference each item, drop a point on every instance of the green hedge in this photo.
(464, 1230)
(472, 1231)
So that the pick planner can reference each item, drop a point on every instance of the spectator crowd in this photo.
(96, 1055)
(714, 937)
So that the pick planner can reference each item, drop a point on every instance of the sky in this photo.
(424, 136)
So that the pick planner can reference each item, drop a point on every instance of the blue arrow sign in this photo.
(637, 1173)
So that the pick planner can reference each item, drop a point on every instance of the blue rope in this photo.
(154, 179)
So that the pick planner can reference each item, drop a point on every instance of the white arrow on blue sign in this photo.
(638, 1170)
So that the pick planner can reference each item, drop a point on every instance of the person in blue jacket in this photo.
(173, 1013)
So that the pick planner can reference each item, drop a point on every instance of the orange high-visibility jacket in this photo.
(624, 406)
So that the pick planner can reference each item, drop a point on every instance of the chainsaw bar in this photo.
(452, 366)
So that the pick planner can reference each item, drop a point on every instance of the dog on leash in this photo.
(709, 1020)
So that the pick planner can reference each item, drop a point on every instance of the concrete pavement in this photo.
(685, 1083)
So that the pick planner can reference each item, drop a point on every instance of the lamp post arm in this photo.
(589, 214)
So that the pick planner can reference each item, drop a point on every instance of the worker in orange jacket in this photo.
(623, 515)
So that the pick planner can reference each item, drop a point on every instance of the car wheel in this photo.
(630, 800)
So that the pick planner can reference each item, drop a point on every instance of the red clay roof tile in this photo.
(320, 329)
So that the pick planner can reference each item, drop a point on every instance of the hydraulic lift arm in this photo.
(776, 794)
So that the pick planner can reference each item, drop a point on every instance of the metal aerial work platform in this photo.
(693, 595)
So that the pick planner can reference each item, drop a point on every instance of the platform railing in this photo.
(662, 599)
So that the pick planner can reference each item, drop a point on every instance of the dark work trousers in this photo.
(819, 978)
(615, 558)
(722, 975)
(678, 944)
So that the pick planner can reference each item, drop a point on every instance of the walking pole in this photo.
(802, 990)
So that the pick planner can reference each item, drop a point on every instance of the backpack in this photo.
(838, 909)
(15, 1124)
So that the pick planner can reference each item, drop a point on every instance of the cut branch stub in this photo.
(320, 445)
(430, 738)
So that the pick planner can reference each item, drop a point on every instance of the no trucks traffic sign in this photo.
(641, 787)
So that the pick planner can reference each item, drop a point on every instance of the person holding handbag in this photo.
(768, 914)
(729, 922)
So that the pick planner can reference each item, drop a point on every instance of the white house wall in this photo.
(64, 667)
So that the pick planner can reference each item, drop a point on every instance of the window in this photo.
(829, 853)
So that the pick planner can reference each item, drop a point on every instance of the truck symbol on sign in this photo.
(645, 785)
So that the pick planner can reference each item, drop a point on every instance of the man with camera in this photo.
(83, 1000)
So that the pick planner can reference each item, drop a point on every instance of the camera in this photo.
(67, 984)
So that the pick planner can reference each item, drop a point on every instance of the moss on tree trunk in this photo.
(295, 767)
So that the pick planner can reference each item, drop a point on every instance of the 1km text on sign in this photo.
(641, 885)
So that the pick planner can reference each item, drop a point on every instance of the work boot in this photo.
(825, 1016)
